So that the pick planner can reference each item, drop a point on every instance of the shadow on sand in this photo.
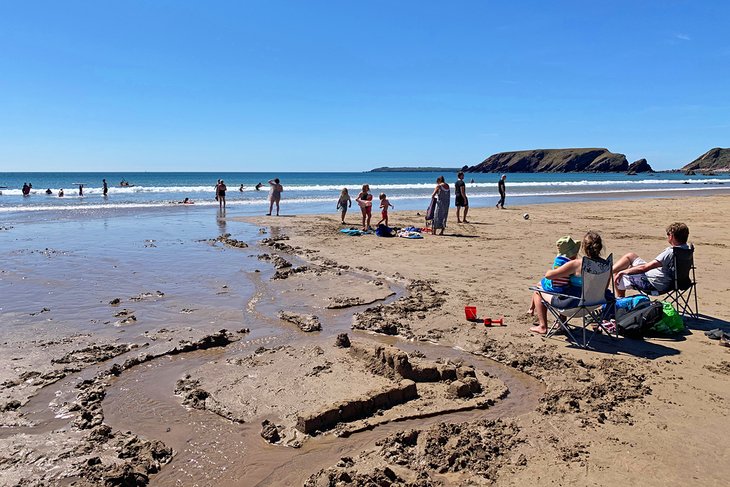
(654, 346)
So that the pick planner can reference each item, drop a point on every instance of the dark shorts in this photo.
(461, 201)
(564, 302)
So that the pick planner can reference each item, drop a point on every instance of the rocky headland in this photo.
(717, 159)
(639, 166)
(554, 160)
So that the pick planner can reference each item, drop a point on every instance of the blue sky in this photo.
(350, 85)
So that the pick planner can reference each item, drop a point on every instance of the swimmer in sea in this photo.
(48, 191)
(60, 193)
(241, 189)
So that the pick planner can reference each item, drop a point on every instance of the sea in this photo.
(315, 192)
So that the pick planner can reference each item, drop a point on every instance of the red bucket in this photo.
(471, 312)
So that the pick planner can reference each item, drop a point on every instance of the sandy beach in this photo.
(235, 369)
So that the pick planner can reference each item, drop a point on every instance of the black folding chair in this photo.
(684, 287)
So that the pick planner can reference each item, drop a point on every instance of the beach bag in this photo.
(671, 322)
(637, 322)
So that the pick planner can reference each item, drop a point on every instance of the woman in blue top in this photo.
(592, 245)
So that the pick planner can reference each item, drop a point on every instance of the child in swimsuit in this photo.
(365, 200)
(384, 204)
(343, 203)
(567, 251)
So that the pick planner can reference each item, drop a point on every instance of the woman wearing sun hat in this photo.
(568, 273)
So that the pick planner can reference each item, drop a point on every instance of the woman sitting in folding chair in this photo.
(592, 245)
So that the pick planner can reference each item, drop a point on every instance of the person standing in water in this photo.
(221, 190)
(81, 189)
(105, 188)
(274, 195)
(502, 191)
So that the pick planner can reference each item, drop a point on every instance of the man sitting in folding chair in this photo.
(661, 275)
(587, 296)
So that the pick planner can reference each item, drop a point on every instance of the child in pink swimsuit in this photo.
(384, 204)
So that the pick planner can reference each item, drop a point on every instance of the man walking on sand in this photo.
(502, 191)
(461, 199)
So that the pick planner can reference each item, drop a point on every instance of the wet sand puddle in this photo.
(211, 450)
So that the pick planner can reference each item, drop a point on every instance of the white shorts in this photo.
(635, 281)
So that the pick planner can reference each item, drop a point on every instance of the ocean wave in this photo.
(73, 192)
(325, 200)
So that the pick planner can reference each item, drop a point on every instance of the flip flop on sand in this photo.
(717, 334)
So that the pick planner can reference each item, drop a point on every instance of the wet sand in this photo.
(609, 415)
(168, 391)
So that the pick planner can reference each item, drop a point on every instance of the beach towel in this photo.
(383, 231)
(353, 232)
(430, 210)
(631, 302)
(409, 234)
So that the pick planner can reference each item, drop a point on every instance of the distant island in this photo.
(594, 160)
(416, 169)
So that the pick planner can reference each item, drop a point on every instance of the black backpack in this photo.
(637, 322)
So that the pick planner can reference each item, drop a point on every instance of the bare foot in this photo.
(531, 311)
(538, 329)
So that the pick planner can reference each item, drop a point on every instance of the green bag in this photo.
(671, 322)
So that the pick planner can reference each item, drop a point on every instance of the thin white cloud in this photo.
(682, 37)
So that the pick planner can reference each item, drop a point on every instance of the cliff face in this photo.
(716, 159)
(554, 160)
(639, 166)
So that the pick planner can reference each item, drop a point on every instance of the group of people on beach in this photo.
(438, 209)
(365, 201)
(629, 272)
(274, 193)
(27, 187)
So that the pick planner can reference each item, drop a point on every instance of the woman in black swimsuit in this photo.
(222, 194)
